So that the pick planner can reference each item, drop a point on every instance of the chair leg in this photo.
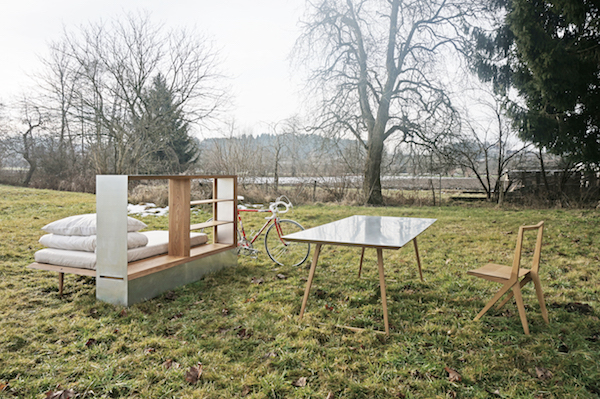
(519, 299)
(495, 299)
(540, 295)
(510, 294)
(61, 282)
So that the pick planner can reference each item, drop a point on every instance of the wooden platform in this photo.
(63, 269)
(146, 266)
(155, 264)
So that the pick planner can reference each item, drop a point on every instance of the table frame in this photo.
(380, 268)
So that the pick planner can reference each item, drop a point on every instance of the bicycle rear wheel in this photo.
(286, 253)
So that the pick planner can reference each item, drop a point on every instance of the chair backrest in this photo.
(537, 252)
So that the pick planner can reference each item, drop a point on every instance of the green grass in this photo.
(257, 347)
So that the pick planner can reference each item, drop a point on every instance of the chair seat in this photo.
(494, 272)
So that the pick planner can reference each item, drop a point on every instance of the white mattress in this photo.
(87, 243)
(158, 242)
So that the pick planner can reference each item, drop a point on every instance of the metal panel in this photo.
(111, 244)
(150, 286)
(225, 188)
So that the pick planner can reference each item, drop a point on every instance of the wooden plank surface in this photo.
(212, 223)
(155, 264)
(63, 269)
(177, 177)
(210, 201)
(179, 217)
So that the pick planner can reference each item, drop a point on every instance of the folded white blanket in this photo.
(158, 243)
(87, 243)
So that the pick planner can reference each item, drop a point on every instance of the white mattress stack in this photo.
(72, 241)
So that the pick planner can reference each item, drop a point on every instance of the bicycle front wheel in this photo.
(286, 253)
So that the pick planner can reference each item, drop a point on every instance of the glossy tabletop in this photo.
(365, 231)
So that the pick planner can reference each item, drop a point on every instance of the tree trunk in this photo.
(543, 168)
(276, 174)
(372, 177)
(32, 168)
(29, 154)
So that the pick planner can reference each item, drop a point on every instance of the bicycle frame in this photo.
(274, 219)
(280, 251)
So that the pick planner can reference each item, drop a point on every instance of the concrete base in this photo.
(152, 285)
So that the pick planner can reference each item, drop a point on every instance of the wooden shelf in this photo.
(212, 223)
(155, 264)
(210, 201)
(180, 177)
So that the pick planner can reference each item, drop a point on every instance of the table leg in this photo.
(418, 258)
(362, 255)
(383, 294)
(311, 274)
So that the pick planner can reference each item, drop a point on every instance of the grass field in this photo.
(247, 335)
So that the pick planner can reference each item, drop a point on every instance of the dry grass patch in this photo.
(248, 339)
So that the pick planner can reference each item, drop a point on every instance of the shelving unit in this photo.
(122, 283)
(224, 201)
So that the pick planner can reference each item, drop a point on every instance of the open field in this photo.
(247, 337)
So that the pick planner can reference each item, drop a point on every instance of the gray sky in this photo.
(255, 38)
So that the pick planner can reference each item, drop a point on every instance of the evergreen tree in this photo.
(549, 50)
(167, 132)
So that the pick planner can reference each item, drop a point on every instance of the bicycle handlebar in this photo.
(280, 201)
(274, 207)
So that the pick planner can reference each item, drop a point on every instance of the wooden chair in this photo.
(509, 277)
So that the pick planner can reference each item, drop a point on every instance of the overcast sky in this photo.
(255, 37)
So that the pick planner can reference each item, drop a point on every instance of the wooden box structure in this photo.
(122, 283)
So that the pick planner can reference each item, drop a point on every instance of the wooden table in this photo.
(379, 232)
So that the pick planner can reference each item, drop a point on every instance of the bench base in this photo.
(151, 277)
(154, 284)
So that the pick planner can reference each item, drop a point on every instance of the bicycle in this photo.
(281, 252)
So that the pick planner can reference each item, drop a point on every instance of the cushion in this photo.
(87, 243)
(158, 243)
(85, 225)
(61, 257)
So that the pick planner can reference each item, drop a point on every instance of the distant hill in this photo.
(301, 143)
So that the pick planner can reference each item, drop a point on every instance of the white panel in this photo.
(225, 210)
(111, 244)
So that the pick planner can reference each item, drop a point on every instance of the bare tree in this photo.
(25, 143)
(236, 152)
(281, 147)
(486, 145)
(4, 134)
(110, 66)
(59, 88)
(376, 71)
